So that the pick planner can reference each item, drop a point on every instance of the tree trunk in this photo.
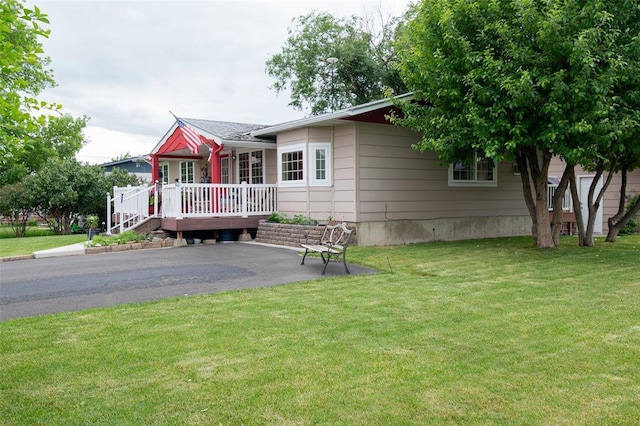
(620, 219)
(577, 209)
(558, 196)
(593, 203)
(534, 177)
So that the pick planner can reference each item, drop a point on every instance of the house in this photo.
(133, 165)
(350, 166)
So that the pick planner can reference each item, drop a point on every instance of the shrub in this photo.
(298, 219)
(633, 223)
(125, 237)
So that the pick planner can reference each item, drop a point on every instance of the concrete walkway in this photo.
(70, 250)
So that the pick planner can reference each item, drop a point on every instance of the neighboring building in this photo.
(134, 165)
(349, 166)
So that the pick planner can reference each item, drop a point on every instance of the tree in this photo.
(23, 75)
(524, 81)
(17, 205)
(64, 189)
(362, 71)
(60, 136)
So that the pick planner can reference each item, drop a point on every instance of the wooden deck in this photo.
(210, 223)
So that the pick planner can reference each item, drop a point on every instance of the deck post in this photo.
(108, 214)
(244, 194)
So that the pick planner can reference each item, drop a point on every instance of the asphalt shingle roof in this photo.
(228, 130)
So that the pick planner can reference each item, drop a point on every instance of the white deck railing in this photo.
(206, 200)
(129, 206)
(567, 203)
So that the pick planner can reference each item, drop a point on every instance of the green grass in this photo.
(32, 231)
(27, 245)
(475, 332)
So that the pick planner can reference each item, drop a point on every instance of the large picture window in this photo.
(476, 171)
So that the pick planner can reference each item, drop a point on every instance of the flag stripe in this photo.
(191, 136)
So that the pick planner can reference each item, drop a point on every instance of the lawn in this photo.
(29, 244)
(475, 332)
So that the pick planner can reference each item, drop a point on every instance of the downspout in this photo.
(333, 187)
(215, 163)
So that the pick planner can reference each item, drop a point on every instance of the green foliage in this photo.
(522, 80)
(29, 137)
(633, 224)
(486, 332)
(17, 205)
(124, 238)
(24, 74)
(298, 219)
(364, 70)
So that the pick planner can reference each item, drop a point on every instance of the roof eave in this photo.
(329, 118)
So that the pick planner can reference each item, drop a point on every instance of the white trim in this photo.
(327, 119)
(300, 147)
(474, 183)
(313, 147)
(236, 164)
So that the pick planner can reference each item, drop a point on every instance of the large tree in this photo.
(24, 73)
(329, 63)
(31, 131)
(519, 80)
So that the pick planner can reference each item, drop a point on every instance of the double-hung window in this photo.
(476, 171)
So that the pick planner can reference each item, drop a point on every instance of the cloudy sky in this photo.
(126, 64)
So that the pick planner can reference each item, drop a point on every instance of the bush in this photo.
(298, 219)
(632, 225)
(125, 237)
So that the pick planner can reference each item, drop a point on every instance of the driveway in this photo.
(48, 285)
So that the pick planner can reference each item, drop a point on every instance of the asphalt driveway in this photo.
(48, 285)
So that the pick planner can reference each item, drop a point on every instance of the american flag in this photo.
(191, 136)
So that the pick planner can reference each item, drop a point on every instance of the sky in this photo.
(127, 64)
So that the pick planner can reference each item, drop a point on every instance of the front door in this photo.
(584, 184)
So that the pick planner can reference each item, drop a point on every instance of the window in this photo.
(320, 164)
(292, 166)
(186, 172)
(224, 170)
(164, 173)
(251, 167)
(477, 171)
(297, 163)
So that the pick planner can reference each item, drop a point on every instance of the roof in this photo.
(331, 118)
(137, 159)
(223, 132)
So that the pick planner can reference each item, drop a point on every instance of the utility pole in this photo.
(332, 63)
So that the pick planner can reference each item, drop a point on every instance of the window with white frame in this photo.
(291, 164)
(164, 173)
(224, 169)
(299, 163)
(186, 172)
(251, 167)
(320, 160)
(476, 171)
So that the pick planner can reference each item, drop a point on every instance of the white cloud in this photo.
(126, 64)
